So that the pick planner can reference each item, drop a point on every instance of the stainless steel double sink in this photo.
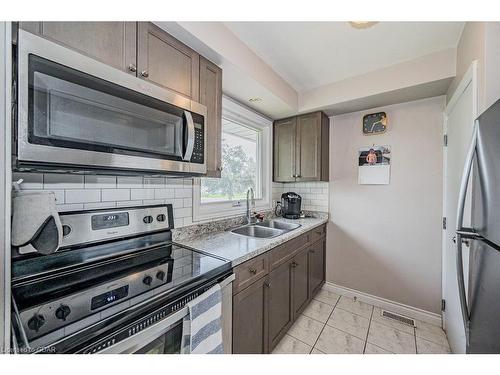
(265, 229)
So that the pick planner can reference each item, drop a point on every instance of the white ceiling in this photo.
(312, 54)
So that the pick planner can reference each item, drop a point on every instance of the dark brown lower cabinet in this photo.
(280, 313)
(300, 281)
(316, 254)
(249, 319)
(266, 308)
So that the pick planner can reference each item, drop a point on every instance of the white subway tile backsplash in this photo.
(154, 182)
(31, 181)
(129, 182)
(142, 194)
(82, 196)
(182, 212)
(178, 203)
(78, 192)
(183, 193)
(314, 194)
(150, 202)
(91, 206)
(164, 193)
(188, 202)
(70, 207)
(115, 195)
(62, 181)
(129, 204)
(100, 182)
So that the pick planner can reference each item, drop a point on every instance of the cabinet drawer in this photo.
(317, 233)
(286, 251)
(250, 271)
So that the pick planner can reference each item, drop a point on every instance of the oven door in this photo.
(162, 338)
(78, 113)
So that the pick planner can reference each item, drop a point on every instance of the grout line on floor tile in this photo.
(324, 325)
(289, 334)
(368, 330)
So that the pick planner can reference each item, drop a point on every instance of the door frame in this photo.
(469, 78)
(5, 181)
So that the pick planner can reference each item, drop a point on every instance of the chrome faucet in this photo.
(250, 200)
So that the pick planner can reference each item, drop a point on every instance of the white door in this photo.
(459, 120)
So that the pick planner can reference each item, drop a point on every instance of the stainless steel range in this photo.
(118, 285)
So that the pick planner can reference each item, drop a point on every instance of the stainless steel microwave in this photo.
(78, 114)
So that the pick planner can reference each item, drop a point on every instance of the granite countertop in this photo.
(239, 249)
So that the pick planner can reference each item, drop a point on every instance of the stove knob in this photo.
(62, 312)
(148, 219)
(160, 275)
(36, 322)
(161, 217)
(147, 280)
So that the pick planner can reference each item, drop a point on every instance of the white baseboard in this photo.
(409, 311)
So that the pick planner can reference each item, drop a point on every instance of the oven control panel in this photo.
(145, 322)
(199, 145)
(42, 319)
(84, 227)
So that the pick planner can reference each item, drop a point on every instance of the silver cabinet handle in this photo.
(460, 230)
(253, 271)
(190, 141)
(267, 284)
(145, 74)
(220, 169)
(132, 68)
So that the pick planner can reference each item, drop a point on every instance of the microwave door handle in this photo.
(190, 140)
(460, 230)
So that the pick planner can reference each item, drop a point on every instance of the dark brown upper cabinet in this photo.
(113, 43)
(164, 60)
(211, 97)
(301, 148)
(146, 51)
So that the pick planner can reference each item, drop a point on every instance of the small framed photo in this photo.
(374, 165)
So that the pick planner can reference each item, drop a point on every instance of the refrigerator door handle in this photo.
(462, 232)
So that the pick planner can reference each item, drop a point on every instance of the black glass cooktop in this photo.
(41, 279)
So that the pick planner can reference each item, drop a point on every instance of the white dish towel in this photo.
(201, 327)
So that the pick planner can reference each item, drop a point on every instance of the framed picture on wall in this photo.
(374, 165)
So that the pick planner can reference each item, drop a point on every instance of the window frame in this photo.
(240, 114)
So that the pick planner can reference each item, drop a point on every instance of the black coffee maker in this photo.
(290, 205)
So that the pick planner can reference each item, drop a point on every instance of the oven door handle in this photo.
(190, 136)
(136, 342)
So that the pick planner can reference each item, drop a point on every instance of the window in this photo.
(240, 167)
(245, 153)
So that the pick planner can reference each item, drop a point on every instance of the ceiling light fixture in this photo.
(362, 24)
(255, 100)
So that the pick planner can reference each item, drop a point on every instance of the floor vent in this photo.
(399, 318)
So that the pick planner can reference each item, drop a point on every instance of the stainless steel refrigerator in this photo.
(481, 308)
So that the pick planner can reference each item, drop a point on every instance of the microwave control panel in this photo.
(199, 145)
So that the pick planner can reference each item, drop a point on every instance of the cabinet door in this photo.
(211, 97)
(249, 320)
(280, 313)
(316, 266)
(309, 147)
(285, 134)
(164, 60)
(113, 43)
(300, 285)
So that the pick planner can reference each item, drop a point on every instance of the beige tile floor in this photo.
(333, 324)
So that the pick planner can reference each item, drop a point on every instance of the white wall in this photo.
(385, 240)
